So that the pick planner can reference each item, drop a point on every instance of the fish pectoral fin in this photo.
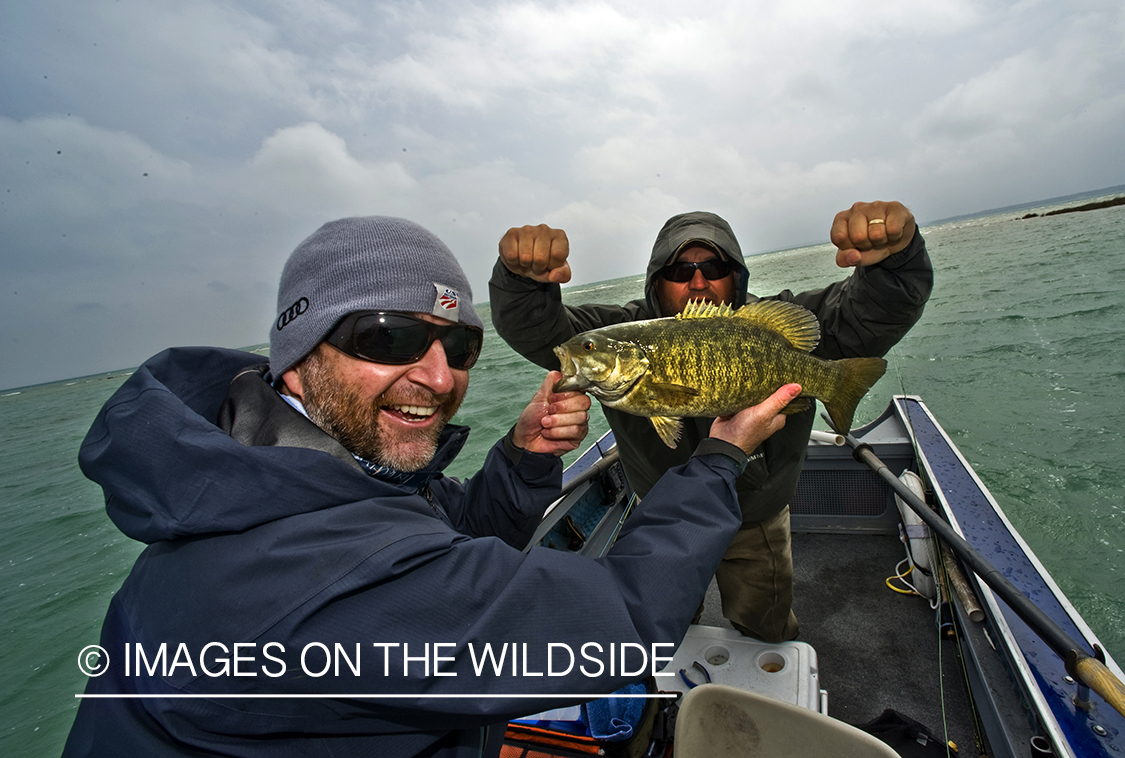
(672, 394)
(798, 404)
(668, 428)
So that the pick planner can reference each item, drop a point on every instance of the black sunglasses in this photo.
(399, 338)
(684, 271)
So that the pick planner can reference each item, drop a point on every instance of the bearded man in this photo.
(313, 584)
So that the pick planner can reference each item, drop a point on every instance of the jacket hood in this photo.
(697, 226)
(168, 471)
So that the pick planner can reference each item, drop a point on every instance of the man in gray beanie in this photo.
(314, 585)
(396, 277)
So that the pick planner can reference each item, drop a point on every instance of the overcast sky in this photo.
(159, 160)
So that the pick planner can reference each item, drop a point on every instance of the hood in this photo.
(697, 226)
(168, 471)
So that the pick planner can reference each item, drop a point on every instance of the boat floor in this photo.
(876, 648)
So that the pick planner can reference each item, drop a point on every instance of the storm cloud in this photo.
(160, 160)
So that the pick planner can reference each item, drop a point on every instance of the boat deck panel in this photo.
(871, 641)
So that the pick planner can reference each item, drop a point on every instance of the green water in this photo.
(1016, 354)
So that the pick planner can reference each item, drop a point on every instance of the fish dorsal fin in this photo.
(704, 309)
(791, 321)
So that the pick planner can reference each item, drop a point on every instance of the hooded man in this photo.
(313, 584)
(696, 256)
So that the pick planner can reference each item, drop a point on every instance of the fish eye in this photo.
(588, 345)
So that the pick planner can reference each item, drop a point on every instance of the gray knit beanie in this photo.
(361, 264)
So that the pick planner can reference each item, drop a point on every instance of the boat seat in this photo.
(718, 721)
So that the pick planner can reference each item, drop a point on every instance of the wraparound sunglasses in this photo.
(684, 271)
(399, 338)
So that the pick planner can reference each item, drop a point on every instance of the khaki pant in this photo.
(755, 581)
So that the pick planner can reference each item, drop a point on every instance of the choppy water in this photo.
(1017, 354)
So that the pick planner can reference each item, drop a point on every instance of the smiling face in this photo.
(673, 296)
(389, 415)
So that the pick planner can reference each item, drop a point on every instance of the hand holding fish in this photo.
(554, 422)
(867, 233)
(751, 426)
(537, 252)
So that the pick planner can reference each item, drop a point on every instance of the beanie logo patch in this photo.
(447, 303)
(292, 312)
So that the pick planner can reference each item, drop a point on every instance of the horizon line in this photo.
(384, 696)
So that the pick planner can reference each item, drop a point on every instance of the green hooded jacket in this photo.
(862, 315)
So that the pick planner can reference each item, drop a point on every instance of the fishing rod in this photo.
(1088, 669)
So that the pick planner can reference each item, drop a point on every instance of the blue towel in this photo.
(614, 719)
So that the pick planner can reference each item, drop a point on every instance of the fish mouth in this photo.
(571, 379)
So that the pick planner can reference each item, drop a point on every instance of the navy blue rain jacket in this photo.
(290, 550)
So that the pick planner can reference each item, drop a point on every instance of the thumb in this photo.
(548, 386)
(560, 275)
(778, 400)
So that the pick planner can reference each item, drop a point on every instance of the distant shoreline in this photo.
(1087, 207)
(923, 223)
(1079, 196)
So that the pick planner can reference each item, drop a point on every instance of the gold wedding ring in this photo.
(876, 221)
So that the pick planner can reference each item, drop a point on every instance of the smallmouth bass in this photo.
(711, 360)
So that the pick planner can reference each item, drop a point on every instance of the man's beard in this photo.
(341, 412)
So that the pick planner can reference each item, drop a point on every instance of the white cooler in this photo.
(786, 671)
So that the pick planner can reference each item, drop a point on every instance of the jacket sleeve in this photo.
(870, 311)
(506, 498)
(473, 595)
(531, 318)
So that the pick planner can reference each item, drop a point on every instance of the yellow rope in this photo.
(902, 578)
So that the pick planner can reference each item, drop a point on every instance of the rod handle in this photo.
(1095, 675)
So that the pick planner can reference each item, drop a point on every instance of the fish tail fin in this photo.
(858, 375)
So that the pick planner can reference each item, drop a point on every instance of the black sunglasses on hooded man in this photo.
(684, 271)
(314, 584)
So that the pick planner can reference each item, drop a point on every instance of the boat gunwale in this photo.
(1048, 703)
